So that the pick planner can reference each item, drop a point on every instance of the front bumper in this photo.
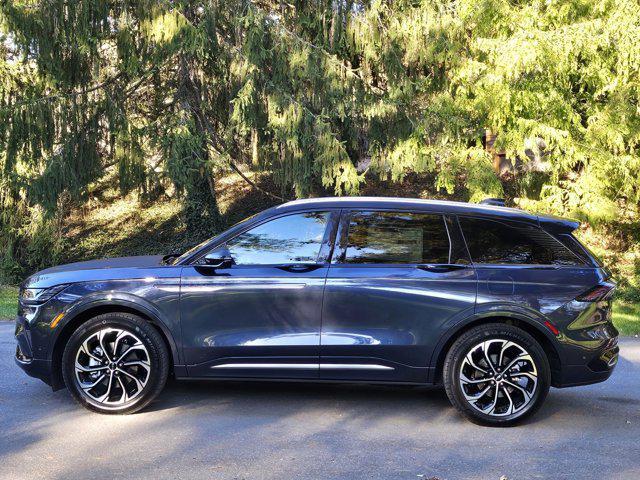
(24, 356)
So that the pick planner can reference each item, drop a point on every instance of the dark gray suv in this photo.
(495, 303)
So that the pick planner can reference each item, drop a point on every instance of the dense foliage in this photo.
(325, 95)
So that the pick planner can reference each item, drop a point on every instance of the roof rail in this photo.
(497, 202)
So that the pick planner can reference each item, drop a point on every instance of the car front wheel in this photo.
(115, 363)
(496, 375)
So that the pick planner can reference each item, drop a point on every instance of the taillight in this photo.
(600, 292)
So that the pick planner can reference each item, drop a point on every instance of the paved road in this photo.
(302, 431)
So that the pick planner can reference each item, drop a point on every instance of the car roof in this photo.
(440, 206)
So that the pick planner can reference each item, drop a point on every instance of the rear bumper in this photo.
(598, 368)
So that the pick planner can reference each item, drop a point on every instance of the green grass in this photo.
(626, 317)
(8, 302)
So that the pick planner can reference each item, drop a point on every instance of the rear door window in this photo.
(498, 242)
(379, 237)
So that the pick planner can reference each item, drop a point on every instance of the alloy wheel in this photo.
(112, 366)
(498, 378)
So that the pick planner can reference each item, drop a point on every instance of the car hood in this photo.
(103, 269)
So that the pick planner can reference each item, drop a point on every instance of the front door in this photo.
(259, 316)
(396, 278)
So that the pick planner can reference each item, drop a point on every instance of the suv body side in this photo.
(393, 323)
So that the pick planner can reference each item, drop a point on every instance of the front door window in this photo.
(285, 240)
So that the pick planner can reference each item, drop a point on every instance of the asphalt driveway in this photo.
(218, 430)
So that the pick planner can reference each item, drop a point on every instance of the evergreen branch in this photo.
(99, 86)
(217, 148)
(253, 184)
(333, 58)
(73, 93)
(291, 98)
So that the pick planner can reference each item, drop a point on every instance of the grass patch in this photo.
(8, 302)
(626, 317)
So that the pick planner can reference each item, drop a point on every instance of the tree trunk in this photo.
(201, 209)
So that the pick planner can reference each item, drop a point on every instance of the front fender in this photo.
(157, 302)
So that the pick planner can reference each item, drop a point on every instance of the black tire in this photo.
(154, 354)
(471, 341)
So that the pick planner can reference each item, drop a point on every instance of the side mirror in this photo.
(219, 258)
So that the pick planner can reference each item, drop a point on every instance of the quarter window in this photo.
(495, 242)
(291, 239)
(397, 237)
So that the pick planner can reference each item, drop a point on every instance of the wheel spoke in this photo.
(139, 384)
(132, 348)
(510, 409)
(477, 396)
(124, 396)
(492, 406)
(119, 337)
(85, 350)
(502, 350)
(91, 385)
(139, 363)
(90, 369)
(485, 351)
(519, 358)
(469, 358)
(105, 397)
(527, 395)
(465, 379)
(101, 335)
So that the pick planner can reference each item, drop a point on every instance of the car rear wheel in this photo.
(115, 363)
(496, 375)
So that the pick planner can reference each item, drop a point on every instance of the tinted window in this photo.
(579, 250)
(491, 241)
(290, 239)
(397, 237)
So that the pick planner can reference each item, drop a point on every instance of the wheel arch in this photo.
(93, 310)
(532, 327)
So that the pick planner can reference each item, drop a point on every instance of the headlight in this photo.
(40, 295)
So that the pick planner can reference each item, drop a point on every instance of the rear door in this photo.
(396, 277)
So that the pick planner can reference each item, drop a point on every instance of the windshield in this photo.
(188, 253)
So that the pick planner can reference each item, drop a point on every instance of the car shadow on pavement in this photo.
(204, 394)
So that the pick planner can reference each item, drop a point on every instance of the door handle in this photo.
(299, 267)
(441, 267)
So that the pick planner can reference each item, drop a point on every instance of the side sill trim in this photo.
(307, 366)
(289, 366)
(354, 366)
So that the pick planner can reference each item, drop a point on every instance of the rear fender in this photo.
(486, 313)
